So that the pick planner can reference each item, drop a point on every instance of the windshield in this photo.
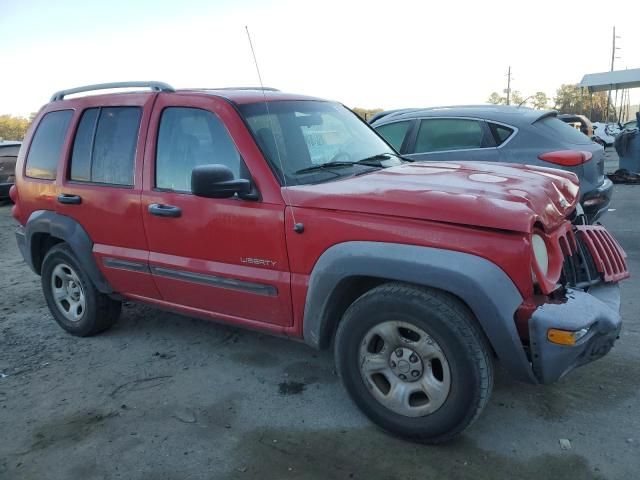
(315, 141)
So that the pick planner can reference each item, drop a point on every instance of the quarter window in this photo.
(104, 149)
(394, 133)
(436, 135)
(500, 133)
(46, 146)
(189, 137)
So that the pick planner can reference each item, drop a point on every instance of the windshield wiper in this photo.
(323, 166)
(381, 156)
(372, 161)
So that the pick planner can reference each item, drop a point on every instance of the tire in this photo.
(80, 308)
(429, 330)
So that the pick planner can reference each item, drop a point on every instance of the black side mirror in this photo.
(217, 181)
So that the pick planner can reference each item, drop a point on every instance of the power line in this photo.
(508, 89)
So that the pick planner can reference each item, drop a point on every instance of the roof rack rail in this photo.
(268, 89)
(155, 86)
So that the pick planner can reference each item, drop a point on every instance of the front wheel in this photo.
(75, 303)
(414, 361)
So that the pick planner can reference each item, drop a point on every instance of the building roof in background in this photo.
(618, 79)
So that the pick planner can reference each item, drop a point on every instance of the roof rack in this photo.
(268, 89)
(155, 86)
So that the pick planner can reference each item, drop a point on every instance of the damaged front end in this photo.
(574, 316)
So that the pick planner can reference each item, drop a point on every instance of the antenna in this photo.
(297, 227)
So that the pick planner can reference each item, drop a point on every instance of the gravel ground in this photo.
(161, 396)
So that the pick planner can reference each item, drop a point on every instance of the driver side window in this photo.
(189, 137)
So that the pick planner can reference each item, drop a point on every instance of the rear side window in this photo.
(500, 133)
(189, 137)
(394, 133)
(556, 128)
(104, 149)
(441, 134)
(46, 146)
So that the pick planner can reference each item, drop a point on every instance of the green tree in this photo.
(540, 101)
(13, 128)
(516, 98)
(496, 99)
(572, 99)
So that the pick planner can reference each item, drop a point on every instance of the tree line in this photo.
(14, 128)
(569, 98)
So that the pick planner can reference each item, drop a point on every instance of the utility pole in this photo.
(613, 59)
(508, 90)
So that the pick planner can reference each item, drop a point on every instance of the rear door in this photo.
(453, 139)
(101, 186)
(227, 256)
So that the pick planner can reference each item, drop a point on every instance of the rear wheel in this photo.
(414, 361)
(74, 302)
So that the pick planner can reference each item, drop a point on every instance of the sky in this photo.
(362, 53)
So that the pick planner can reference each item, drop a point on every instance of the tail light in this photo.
(566, 158)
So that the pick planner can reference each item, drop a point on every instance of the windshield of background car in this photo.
(296, 135)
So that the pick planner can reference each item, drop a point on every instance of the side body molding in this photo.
(71, 232)
(484, 287)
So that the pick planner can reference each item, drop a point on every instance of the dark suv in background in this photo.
(499, 133)
(8, 156)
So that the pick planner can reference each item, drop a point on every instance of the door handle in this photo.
(69, 199)
(164, 210)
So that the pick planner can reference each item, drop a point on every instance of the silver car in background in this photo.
(499, 133)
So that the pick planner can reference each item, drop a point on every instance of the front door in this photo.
(226, 256)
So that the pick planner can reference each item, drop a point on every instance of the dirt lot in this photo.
(161, 396)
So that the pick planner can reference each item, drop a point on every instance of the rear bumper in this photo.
(596, 202)
(596, 311)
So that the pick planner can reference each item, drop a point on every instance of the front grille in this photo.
(607, 255)
(579, 269)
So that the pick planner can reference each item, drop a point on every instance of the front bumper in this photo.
(598, 311)
(596, 202)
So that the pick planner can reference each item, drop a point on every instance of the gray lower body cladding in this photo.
(596, 311)
(480, 284)
(68, 230)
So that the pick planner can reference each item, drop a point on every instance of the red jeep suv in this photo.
(289, 214)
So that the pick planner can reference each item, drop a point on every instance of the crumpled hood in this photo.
(493, 195)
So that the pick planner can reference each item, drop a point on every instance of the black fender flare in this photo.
(71, 232)
(483, 286)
